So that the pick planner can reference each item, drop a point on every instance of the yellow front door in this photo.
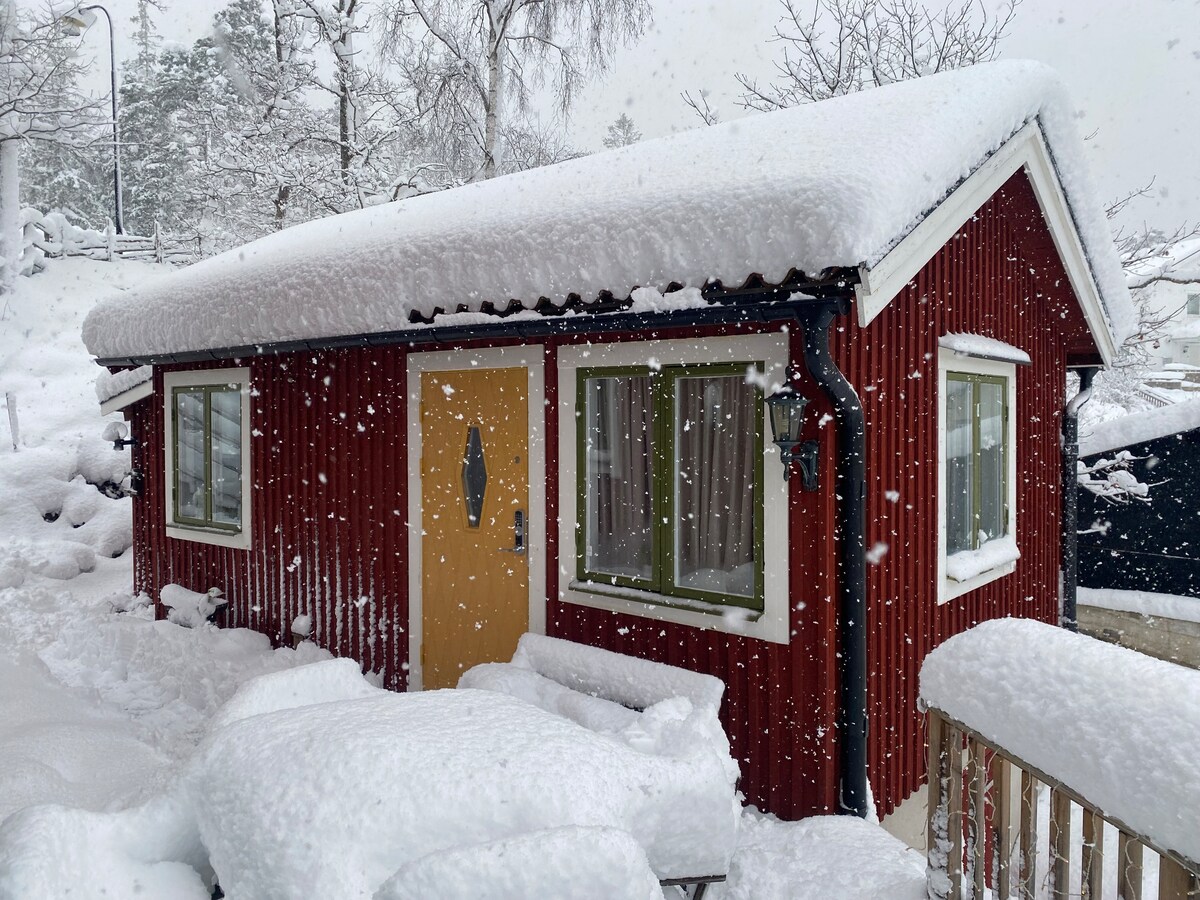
(475, 511)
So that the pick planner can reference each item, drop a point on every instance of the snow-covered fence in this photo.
(1020, 712)
(53, 235)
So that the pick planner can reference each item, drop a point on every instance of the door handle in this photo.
(518, 546)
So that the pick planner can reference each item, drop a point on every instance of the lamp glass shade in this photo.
(77, 21)
(787, 414)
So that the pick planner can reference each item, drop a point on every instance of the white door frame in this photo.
(529, 357)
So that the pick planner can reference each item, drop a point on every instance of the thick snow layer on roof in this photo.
(837, 183)
(1024, 684)
(110, 384)
(1138, 428)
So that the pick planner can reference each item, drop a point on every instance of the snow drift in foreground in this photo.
(333, 798)
(1024, 684)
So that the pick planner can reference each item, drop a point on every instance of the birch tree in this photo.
(474, 64)
(39, 102)
(836, 47)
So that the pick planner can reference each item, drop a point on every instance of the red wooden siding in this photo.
(329, 508)
(994, 278)
(330, 503)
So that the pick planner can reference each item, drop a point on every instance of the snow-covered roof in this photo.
(1138, 428)
(836, 183)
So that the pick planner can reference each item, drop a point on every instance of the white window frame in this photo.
(773, 623)
(241, 538)
(955, 361)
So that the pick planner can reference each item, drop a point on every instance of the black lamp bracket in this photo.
(808, 456)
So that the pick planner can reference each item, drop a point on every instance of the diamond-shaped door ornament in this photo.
(474, 476)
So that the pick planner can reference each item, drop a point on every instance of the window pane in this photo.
(1193, 304)
(959, 465)
(715, 436)
(618, 426)
(189, 454)
(226, 448)
(992, 467)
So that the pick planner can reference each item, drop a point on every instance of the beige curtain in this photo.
(715, 427)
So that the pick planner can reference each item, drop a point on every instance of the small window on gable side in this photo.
(670, 494)
(1193, 305)
(977, 472)
(207, 456)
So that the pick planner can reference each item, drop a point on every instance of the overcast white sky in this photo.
(1133, 69)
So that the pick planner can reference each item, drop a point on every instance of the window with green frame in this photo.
(976, 459)
(207, 435)
(670, 482)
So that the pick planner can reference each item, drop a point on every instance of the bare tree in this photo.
(39, 101)
(473, 63)
(837, 47)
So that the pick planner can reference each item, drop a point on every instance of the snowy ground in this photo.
(101, 706)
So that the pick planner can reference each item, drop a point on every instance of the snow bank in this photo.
(323, 682)
(820, 858)
(1147, 603)
(1024, 685)
(190, 609)
(151, 851)
(385, 780)
(798, 188)
(1138, 428)
(332, 799)
(571, 863)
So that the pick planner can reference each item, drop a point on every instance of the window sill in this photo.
(952, 589)
(238, 540)
(694, 613)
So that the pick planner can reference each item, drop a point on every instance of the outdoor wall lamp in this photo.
(115, 432)
(786, 407)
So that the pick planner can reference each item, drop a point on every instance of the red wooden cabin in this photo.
(361, 419)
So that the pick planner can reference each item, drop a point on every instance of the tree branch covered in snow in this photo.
(474, 65)
(1112, 479)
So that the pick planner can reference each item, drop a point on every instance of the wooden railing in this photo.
(983, 831)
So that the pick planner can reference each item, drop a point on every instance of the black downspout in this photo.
(1070, 500)
(850, 488)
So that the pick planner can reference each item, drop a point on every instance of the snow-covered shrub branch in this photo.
(1113, 480)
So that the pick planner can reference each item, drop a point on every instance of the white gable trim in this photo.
(881, 283)
(127, 397)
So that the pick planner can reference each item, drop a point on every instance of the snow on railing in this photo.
(53, 235)
(1052, 754)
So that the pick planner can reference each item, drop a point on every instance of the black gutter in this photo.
(850, 489)
(1070, 500)
(768, 305)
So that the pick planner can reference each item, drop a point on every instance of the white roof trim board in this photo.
(127, 398)
(872, 180)
(1026, 150)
